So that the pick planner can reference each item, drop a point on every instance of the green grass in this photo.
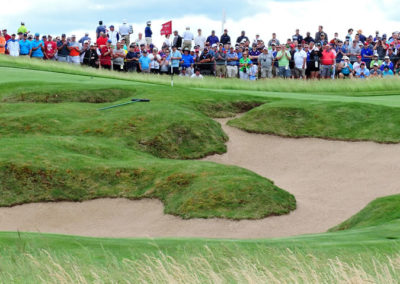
(379, 211)
(332, 120)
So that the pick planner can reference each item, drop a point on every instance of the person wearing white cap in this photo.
(187, 39)
(345, 68)
(74, 51)
(265, 61)
(375, 71)
(148, 33)
(125, 31)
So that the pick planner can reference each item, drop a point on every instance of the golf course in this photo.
(205, 181)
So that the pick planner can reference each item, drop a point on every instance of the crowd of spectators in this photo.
(299, 57)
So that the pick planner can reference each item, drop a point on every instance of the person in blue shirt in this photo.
(25, 46)
(176, 58)
(362, 72)
(144, 62)
(387, 72)
(212, 39)
(388, 63)
(148, 33)
(37, 47)
(187, 61)
(100, 29)
(345, 68)
(232, 62)
(366, 54)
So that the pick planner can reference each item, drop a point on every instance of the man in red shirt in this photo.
(6, 35)
(327, 62)
(102, 40)
(50, 48)
(106, 54)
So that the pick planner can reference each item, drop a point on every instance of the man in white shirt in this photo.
(197, 75)
(125, 31)
(155, 62)
(200, 40)
(300, 63)
(13, 46)
(140, 40)
(187, 39)
(113, 35)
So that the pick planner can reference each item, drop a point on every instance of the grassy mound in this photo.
(49, 168)
(333, 120)
(378, 212)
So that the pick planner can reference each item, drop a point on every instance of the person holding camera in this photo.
(283, 57)
(363, 71)
(345, 68)
(244, 65)
(265, 62)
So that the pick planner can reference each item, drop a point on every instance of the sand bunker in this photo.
(331, 180)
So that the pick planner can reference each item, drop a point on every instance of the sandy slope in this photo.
(331, 181)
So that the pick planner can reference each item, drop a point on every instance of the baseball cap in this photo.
(25, 35)
(362, 63)
(376, 64)
(214, 45)
(37, 34)
(63, 35)
(73, 36)
(86, 41)
(345, 58)
(386, 67)
(387, 57)
(358, 56)
(109, 41)
(265, 48)
(111, 26)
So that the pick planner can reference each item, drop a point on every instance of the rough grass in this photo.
(332, 120)
(379, 211)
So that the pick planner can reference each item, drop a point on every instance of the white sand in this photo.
(331, 181)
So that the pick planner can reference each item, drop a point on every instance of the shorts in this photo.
(220, 70)
(326, 70)
(299, 72)
(231, 71)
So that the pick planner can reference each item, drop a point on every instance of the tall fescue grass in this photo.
(266, 266)
(340, 87)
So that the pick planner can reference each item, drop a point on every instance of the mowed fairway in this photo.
(169, 169)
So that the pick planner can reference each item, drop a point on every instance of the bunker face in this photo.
(331, 181)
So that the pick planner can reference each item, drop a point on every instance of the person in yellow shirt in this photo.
(2, 44)
(22, 29)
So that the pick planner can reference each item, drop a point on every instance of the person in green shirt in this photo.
(375, 60)
(22, 29)
(283, 56)
(244, 65)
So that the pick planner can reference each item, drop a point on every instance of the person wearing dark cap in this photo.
(13, 46)
(106, 55)
(25, 47)
(63, 52)
(144, 62)
(113, 35)
(37, 47)
(242, 37)
(100, 29)
(225, 38)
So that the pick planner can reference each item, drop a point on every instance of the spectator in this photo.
(388, 63)
(253, 54)
(102, 40)
(354, 51)
(25, 46)
(140, 40)
(197, 75)
(253, 72)
(363, 71)
(327, 62)
(176, 57)
(349, 36)
(380, 49)
(113, 35)
(357, 64)
(397, 68)
(244, 64)
(283, 56)
(155, 60)
(106, 55)
(315, 55)
(340, 51)
(387, 72)
(375, 71)
(74, 51)
(37, 47)
(300, 62)
(177, 41)
(125, 32)
(62, 47)
(187, 39)
(118, 58)
(297, 36)
(319, 33)
(375, 60)
(6, 36)
(220, 61)
(232, 61)
(100, 29)
(265, 62)
(13, 46)
(345, 68)
(2, 44)
(165, 62)
(132, 59)
(148, 33)
(366, 54)
(212, 39)
(22, 29)
(144, 62)
(50, 49)
(242, 37)
(167, 42)
(90, 57)
(361, 37)
(308, 38)
(85, 38)
(225, 38)
(205, 62)
(273, 40)
(200, 40)
(187, 61)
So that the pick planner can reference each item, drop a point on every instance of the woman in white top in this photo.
(155, 62)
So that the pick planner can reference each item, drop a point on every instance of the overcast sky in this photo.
(254, 16)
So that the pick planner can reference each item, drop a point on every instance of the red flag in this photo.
(166, 28)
